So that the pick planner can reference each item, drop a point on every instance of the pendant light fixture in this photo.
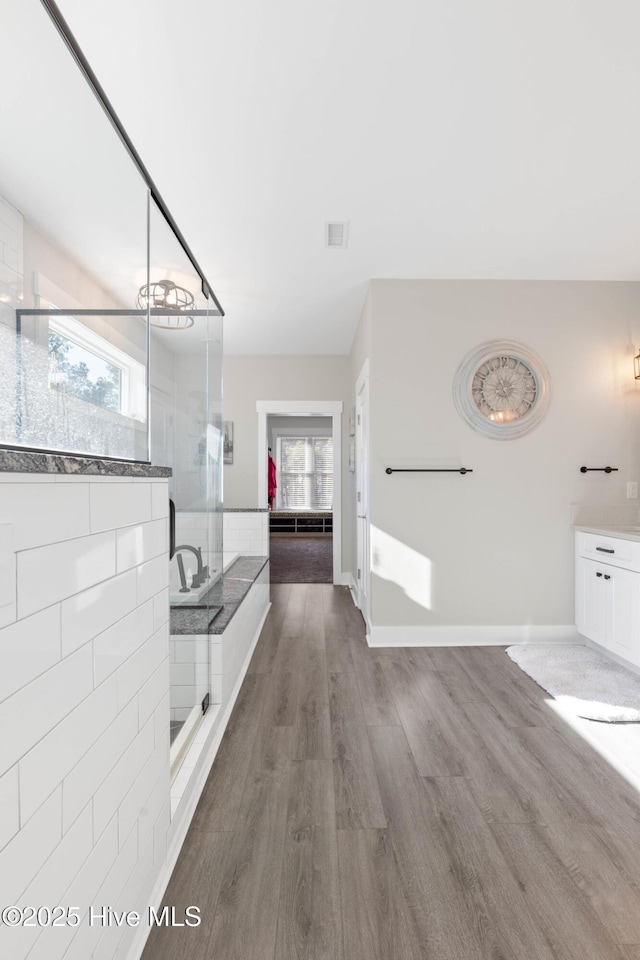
(165, 295)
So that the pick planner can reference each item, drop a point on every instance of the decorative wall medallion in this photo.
(501, 389)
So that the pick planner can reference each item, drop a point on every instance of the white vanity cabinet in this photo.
(608, 592)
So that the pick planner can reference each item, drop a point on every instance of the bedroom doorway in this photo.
(300, 441)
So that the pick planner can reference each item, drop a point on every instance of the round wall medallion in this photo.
(501, 389)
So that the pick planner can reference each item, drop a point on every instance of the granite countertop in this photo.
(25, 461)
(246, 509)
(222, 601)
(629, 532)
(301, 514)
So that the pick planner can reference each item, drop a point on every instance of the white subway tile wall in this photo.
(229, 656)
(246, 533)
(84, 702)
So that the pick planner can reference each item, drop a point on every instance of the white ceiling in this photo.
(462, 139)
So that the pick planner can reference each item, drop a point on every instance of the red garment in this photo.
(271, 479)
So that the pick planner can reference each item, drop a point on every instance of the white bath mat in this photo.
(582, 679)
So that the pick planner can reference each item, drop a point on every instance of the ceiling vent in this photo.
(336, 234)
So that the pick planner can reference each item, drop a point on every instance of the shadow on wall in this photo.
(395, 561)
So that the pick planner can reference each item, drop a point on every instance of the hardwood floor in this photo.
(405, 804)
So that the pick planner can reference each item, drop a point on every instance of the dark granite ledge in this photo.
(228, 593)
(246, 510)
(245, 568)
(23, 461)
(301, 514)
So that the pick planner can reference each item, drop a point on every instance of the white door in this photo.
(362, 496)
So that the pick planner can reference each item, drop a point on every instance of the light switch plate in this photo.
(632, 490)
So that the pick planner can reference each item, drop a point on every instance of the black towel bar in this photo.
(598, 469)
(431, 470)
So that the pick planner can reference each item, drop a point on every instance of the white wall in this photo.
(195, 482)
(84, 703)
(248, 379)
(313, 426)
(11, 289)
(43, 255)
(495, 546)
(11, 260)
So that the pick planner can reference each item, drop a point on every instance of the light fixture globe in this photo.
(165, 295)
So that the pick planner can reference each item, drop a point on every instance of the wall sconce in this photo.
(166, 295)
(636, 366)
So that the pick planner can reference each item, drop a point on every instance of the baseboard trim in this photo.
(138, 944)
(344, 579)
(471, 636)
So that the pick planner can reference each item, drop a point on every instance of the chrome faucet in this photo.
(201, 574)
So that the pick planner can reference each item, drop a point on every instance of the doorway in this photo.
(305, 522)
(300, 495)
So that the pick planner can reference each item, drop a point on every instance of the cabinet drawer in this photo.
(612, 550)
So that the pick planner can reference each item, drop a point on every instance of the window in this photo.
(83, 374)
(305, 473)
(85, 365)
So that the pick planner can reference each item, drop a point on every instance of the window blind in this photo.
(305, 473)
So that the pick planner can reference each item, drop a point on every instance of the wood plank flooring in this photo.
(405, 804)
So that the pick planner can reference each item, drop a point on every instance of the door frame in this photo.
(307, 408)
(363, 469)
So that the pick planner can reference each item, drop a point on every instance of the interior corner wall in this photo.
(247, 379)
(495, 546)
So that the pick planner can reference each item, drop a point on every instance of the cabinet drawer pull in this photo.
(604, 550)
(598, 574)
(607, 577)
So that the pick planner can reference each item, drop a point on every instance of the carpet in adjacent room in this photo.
(301, 559)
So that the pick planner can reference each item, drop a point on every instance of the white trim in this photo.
(300, 408)
(186, 814)
(471, 636)
(306, 408)
(345, 579)
(362, 384)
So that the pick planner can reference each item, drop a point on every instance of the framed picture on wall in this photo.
(228, 442)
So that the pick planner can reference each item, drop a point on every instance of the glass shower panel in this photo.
(73, 250)
(186, 434)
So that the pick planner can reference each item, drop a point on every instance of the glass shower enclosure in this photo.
(187, 434)
(110, 335)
